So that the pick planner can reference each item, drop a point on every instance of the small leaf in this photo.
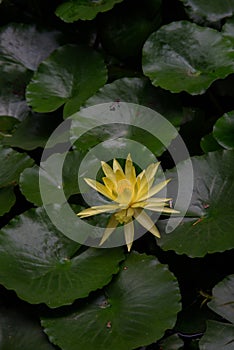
(42, 265)
(73, 10)
(183, 56)
(218, 336)
(13, 163)
(69, 76)
(7, 199)
(132, 311)
(223, 130)
(223, 298)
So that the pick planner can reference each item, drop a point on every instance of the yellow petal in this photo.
(99, 187)
(129, 234)
(109, 184)
(111, 226)
(117, 166)
(144, 187)
(130, 171)
(108, 171)
(97, 210)
(151, 170)
(141, 216)
(155, 189)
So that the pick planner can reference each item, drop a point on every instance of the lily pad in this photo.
(209, 225)
(142, 92)
(7, 199)
(13, 163)
(209, 10)
(71, 11)
(218, 336)
(228, 29)
(42, 265)
(223, 298)
(21, 330)
(69, 76)
(29, 179)
(7, 126)
(183, 56)
(132, 311)
(209, 144)
(223, 130)
(26, 45)
(33, 131)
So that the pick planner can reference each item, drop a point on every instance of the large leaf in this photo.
(20, 330)
(33, 131)
(210, 10)
(71, 11)
(42, 265)
(29, 179)
(135, 309)
(209, 227)
(140, 91)
(7, 126)
(26, 45)
(183, 56)
(218, 336)
(69, 76)
(223, 130)
(223, 298)
(228, 29)
(7, 199)
(12, 164)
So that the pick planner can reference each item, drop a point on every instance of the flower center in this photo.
(124, 216)
(124, 191)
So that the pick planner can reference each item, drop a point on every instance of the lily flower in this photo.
(129, 195)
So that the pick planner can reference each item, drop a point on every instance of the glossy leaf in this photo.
(172, 343)
(20, 330)
(26, 45)
(7, 126)
(210, 10)
(140, 91)
(208, 227)
(13, 163)
(7, 199)
(42, 265)
(33, 131)
(132, 311)
(183, 56)
(222, 301)
(209, 144)
(223, 130)
(218, 336)
(228, 29)
(69, 76)
(71, 11)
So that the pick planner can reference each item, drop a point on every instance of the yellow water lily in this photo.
(129, 195)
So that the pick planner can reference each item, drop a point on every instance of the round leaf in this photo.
(13, 163)
(42, 265)
(209, 144)
(223, 130)
(26, 45)
(210, 10)
(209, 228)
(183, 56)
(7, 199)
(218, 336)
(7, 126)
(223, 298)
(135, 309)
(69, 76)
(73, 10)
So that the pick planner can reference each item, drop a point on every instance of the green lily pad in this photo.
(7, 126)
(132, 311)
(33, 131)
(71, 11)
(209, 144)
(140, 91)
(29, 179)
(183, 56)
(172, 343)
(223, 298)
(223, 130)
(209, 10)
(209, 225)
(26, 45)
(7, 199)
(13, 163)
(228, 29)
(69, 76)
(42, 265)
(20, 330)
(218, 336)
